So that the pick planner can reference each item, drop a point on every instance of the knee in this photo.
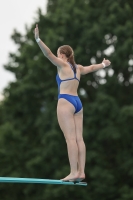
(79, 141)
(71, 140)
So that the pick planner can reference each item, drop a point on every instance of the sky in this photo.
(14, 14)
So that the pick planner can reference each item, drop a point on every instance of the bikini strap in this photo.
(73, 70)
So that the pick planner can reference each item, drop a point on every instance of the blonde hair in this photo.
(69, 53)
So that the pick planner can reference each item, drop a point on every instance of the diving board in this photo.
(39, 181)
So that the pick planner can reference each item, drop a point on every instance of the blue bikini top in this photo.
(59, 81)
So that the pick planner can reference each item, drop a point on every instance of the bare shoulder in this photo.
(80, 67)
(63, 66)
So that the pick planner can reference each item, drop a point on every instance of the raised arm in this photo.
(46, 51)
(95, 67)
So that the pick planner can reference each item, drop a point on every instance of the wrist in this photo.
(38, 40)
(103, 64)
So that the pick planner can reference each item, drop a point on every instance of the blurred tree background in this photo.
(31, 142)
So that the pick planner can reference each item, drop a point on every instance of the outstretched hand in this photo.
(36, 32)
(106, 62)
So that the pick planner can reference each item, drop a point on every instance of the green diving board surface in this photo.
(39, 181)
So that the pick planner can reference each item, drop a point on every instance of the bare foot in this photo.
(71, 177)
(80, 177)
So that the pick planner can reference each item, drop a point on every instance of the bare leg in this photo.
(65, 113)
(78, 117)
(72, 149)
(81, 160)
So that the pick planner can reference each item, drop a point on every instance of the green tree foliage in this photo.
(31, 142)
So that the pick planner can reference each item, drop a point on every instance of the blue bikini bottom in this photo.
(74, 100)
